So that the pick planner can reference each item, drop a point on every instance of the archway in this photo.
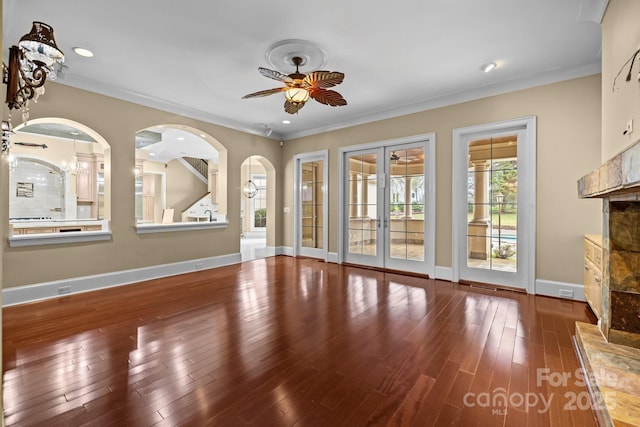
(180, 176)
(257, 208)
(59, 171)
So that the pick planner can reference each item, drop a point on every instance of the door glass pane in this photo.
(406, 204)
(312, 204)
(492, 195)
(363, 210)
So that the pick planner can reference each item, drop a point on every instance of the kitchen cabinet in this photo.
(37, 230)
(86, 179)
(17, 229)
(148, 197)
(97, 209)
(593, 272)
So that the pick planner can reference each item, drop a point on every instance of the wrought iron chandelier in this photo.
(30, 63)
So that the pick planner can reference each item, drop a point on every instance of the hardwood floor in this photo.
(284, 342)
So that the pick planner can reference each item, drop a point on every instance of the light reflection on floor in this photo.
(253, 245)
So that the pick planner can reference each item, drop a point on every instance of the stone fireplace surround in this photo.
(617, 182)
(610, 352)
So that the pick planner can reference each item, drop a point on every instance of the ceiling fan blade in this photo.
(264, 92)
(275, 75)
(292, 107)
(328, 97)
(324, 79)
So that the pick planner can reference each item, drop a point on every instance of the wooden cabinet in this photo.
(17, 229)
(34, 230)
(593, 272)
(86, 179)
(148, 197)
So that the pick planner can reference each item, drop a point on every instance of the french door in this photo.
(387, 206)
(310, 202)
(494, 204)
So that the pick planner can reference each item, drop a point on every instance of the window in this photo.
(57, 184)
(259, 202)
(176, 180)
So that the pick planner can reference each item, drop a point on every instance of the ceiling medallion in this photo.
(280, 55)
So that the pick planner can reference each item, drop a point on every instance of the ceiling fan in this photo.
(300, 87)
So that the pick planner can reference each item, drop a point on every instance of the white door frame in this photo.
(526, 187)
(298, 160)
(430, 192)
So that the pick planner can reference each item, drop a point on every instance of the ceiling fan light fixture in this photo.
(299, 88)
(297, 94)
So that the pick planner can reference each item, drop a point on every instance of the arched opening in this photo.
(59, 178)
(180, 176)
(257, 208)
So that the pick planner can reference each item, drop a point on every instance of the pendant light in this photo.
(75, 166)
(249, 189)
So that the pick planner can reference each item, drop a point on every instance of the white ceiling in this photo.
(199, 58)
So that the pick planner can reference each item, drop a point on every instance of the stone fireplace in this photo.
(617, 182)
(610, 352)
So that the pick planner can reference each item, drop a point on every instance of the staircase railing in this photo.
(200, 165)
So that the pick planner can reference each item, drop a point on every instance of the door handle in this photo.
(378, 222)
(386, 222)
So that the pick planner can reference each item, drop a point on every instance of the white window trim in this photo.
(179, 226)
(39, 239)
(298, 159)
(528, 210)
(430, 192)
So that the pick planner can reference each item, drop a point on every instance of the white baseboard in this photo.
(286, 250)
(444, 273)
(41, 291)
(553, 289)
(281, 250)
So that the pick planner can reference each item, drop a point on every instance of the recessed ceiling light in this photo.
(488, 66)
(286, 122)
(181, 138)
(83, 52)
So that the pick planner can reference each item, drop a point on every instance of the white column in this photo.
(479, 227)
(353, 196)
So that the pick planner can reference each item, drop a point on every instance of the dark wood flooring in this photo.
(294, 342)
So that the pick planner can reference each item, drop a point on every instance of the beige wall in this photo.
(620, 39)
(568, 147)
(184, 188)
(118, 121)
